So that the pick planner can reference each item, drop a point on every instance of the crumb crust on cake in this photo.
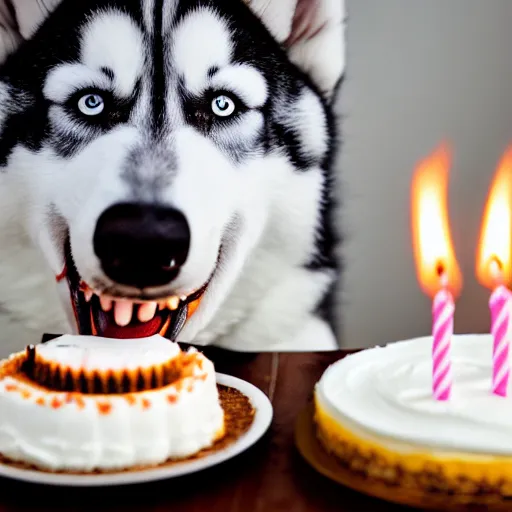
(56, 377)
(238, 418)
(49, 376)
(416, 469)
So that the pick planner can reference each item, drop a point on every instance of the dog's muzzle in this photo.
(141, 248)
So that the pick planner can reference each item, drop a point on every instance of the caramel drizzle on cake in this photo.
(55, 377)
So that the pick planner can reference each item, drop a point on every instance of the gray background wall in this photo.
(418, 72)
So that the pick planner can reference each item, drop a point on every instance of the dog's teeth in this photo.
(88, 293)
(123, 310)
(173, 303)
(147, 311)
(105, 303)
(183, 298)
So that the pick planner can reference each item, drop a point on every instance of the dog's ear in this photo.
(31, 13)
(19, 19)
(313, 32)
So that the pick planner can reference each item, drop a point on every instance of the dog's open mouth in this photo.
(116, 317)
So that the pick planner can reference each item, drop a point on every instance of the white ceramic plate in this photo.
(260, 424)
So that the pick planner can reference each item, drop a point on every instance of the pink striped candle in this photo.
(494, 268)
(500, 306)
(437, 269)
(443, 309)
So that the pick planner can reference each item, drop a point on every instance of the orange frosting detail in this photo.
(56, 403)
(172, 398)
(80, 402)
(25, 393)
(146, 404)
(11, 387)
(104, 407)
(40, 401)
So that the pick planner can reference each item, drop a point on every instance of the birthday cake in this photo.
(86, 403)
(375, 412)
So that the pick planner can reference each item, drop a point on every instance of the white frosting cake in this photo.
(385, 394)
(73, 431)
(96, 353)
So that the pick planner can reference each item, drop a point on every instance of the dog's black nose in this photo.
(141, 245)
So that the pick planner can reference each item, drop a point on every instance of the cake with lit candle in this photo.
(84, 403)
(434, 414)
(376, 413)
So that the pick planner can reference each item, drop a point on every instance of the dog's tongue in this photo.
(105, 326)
(133, 331)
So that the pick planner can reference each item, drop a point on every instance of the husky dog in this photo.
(167, 164)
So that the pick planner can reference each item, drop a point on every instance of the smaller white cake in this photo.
(81, 404)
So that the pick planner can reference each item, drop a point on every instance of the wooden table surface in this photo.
(271, 476)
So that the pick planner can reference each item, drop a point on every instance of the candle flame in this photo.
(493, 263)
(436, 265)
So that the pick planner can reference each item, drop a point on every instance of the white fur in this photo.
(28, 296)
(310, 123)
(194, 56)
(113, 40)
(65, 79)
(269, 292)
(5, 99)
(147, 15)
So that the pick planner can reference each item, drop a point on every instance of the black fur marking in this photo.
(212, 71)
(198, 114)
(29, 125)
(109, 73)
(329, 239)
(290, 140)
(326, 239)
(68, 145)
(158, 103)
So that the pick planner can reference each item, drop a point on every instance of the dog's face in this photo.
(148, 142)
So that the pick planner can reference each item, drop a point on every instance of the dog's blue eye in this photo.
(91, 104)
(223, 106)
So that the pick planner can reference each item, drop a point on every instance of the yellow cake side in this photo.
(414, 467)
